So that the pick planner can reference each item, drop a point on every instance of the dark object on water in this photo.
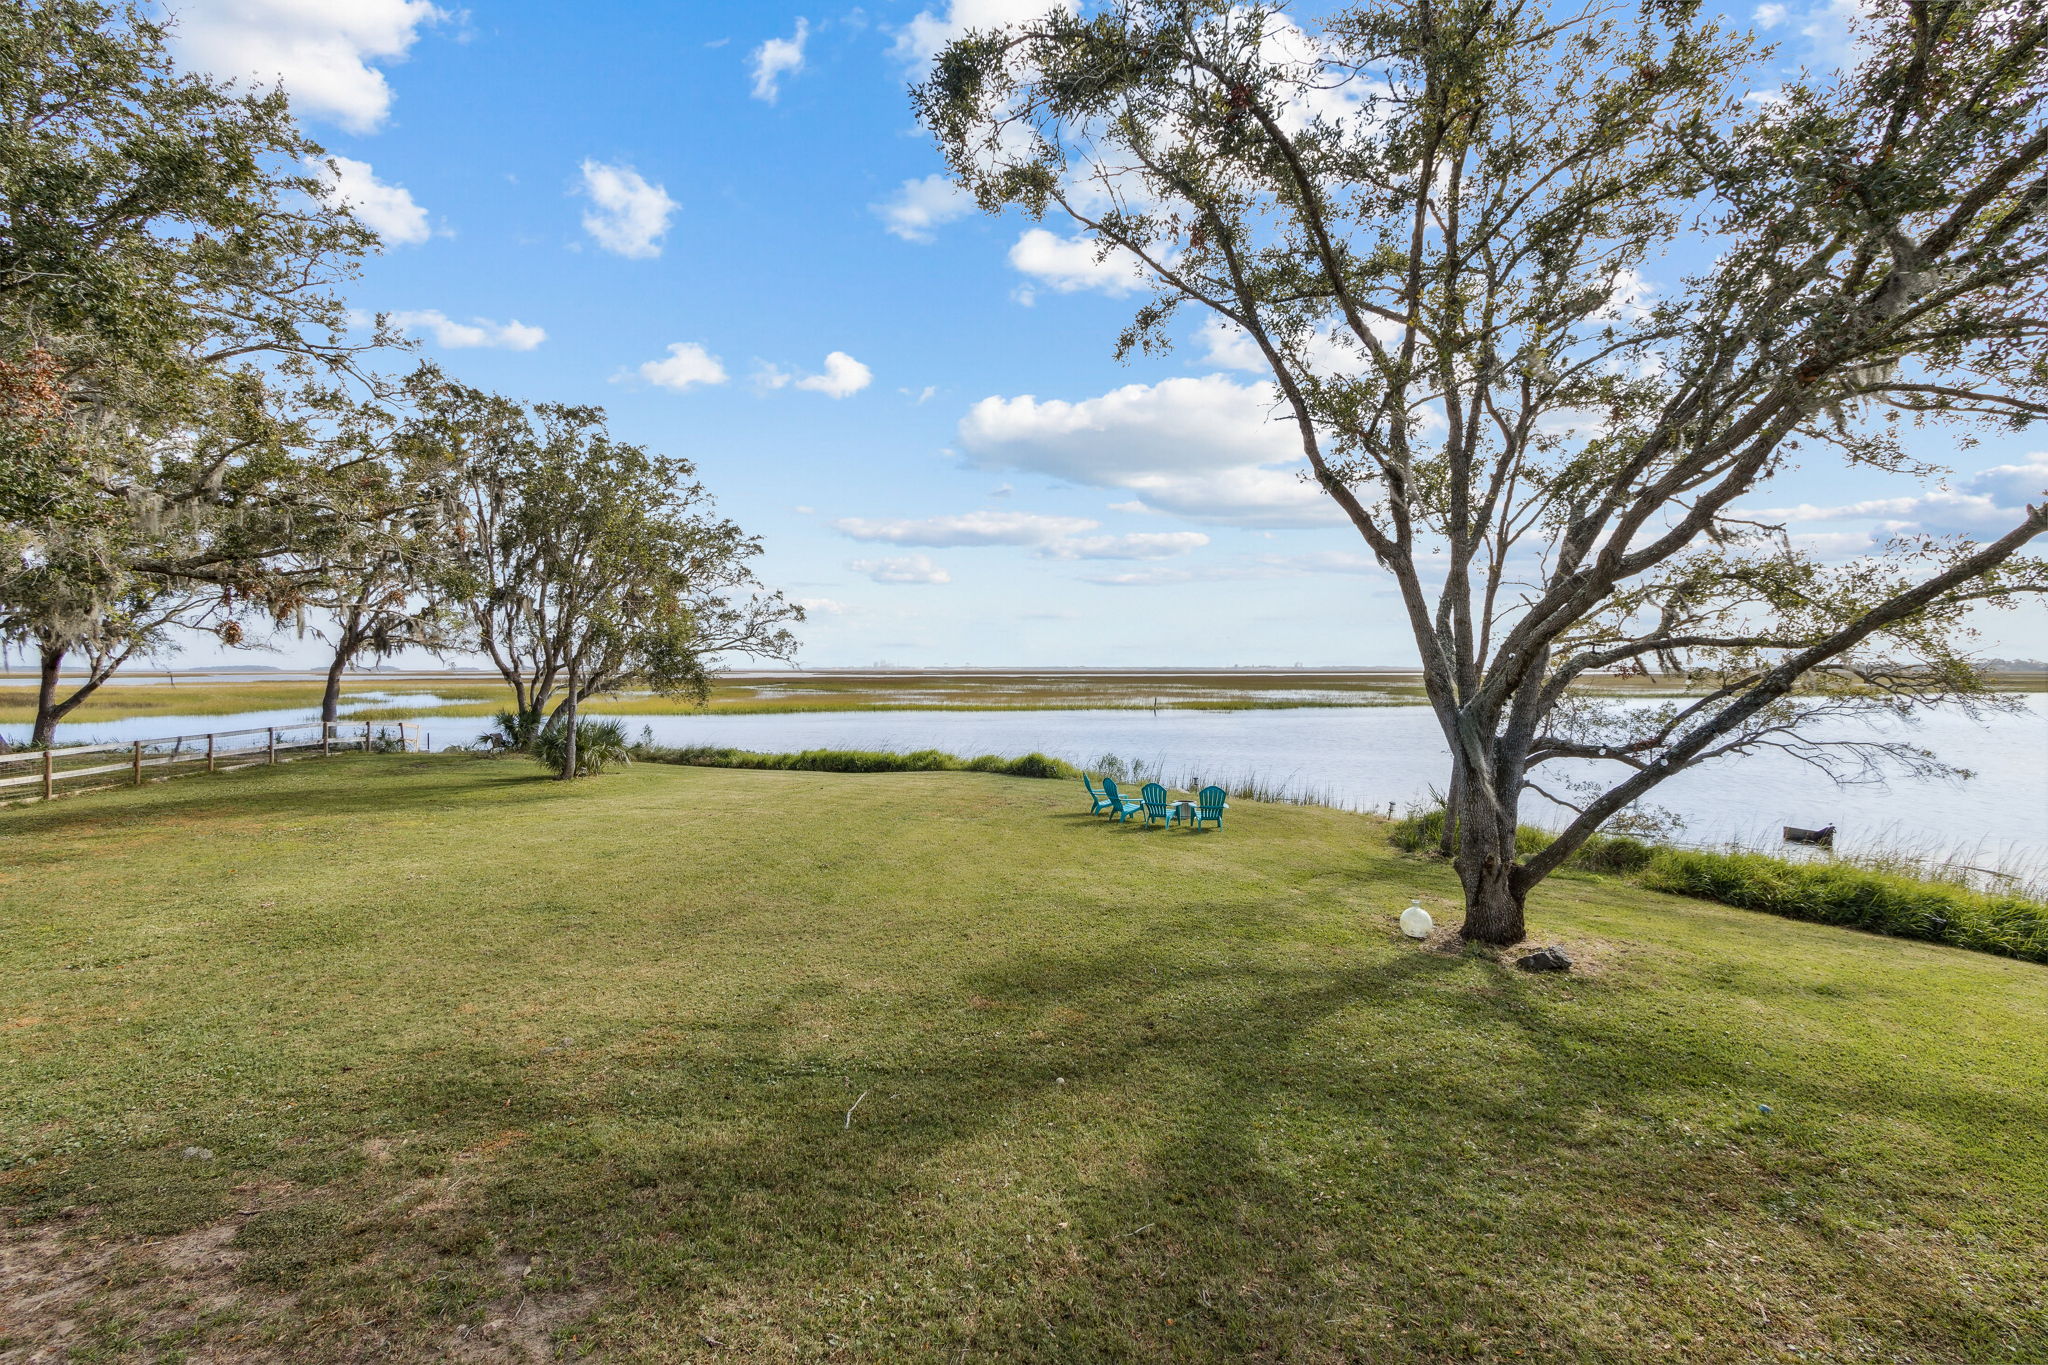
(1823, 837)
(1550, 959)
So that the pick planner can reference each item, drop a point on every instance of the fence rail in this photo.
(207, 753)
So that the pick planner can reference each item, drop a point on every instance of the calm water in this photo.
(1368, 758)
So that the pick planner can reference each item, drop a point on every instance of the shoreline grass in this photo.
(854, 761)
(419, 1058)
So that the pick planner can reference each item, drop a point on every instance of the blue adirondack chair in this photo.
(1157, 807)
(1101, 801)
(1209, 807)
(1120, 805)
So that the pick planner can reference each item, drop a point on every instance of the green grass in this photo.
(687, 1064)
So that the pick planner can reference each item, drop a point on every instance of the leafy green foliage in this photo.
(175, 354)
(512, 732)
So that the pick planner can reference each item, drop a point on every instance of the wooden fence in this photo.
(185, 755)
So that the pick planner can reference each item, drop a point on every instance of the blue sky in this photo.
(713, 219)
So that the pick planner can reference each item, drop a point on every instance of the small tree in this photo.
(587, 563)
(1434, 220)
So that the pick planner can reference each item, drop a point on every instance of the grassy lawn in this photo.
(387, 1058)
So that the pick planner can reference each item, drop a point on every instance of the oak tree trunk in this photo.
(330, 700)
(569, 739)
(1485, 860)
(52, 663)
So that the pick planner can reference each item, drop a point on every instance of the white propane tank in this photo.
(1415, 921)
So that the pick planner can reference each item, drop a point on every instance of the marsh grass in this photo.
(1244, 784)
(854, 761)
(491, 1067)
(797, 693)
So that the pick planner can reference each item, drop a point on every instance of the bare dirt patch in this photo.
(64, 1290)
(60, 1285)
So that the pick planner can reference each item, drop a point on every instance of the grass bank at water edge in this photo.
(1876, 900)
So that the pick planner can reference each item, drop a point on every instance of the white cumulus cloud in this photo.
(1207, 449)
(1053, 537)
(686, 366)
(842, 377)
(628, 215)
(921, 205)
(387, 210)
(477, 332)
(901, 569)
(1331, 89)
(1072, 263)
(1141, 545)
(920, 40)
(1327, 352)
(322, 52)
(1988, 502)
(967, 528)
(1253, 568)
(779, 57)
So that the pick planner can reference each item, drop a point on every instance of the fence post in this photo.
(209, 753)
(49, 773)
(273, 744)
(138, 762)
(426, 741)
(366, 736)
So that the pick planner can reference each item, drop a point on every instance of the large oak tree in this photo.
(1548, 303)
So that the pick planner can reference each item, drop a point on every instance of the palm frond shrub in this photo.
(510, 733)
(601, 745)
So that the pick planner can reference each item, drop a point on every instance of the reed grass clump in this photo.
(1858, 898)
(856, 761)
